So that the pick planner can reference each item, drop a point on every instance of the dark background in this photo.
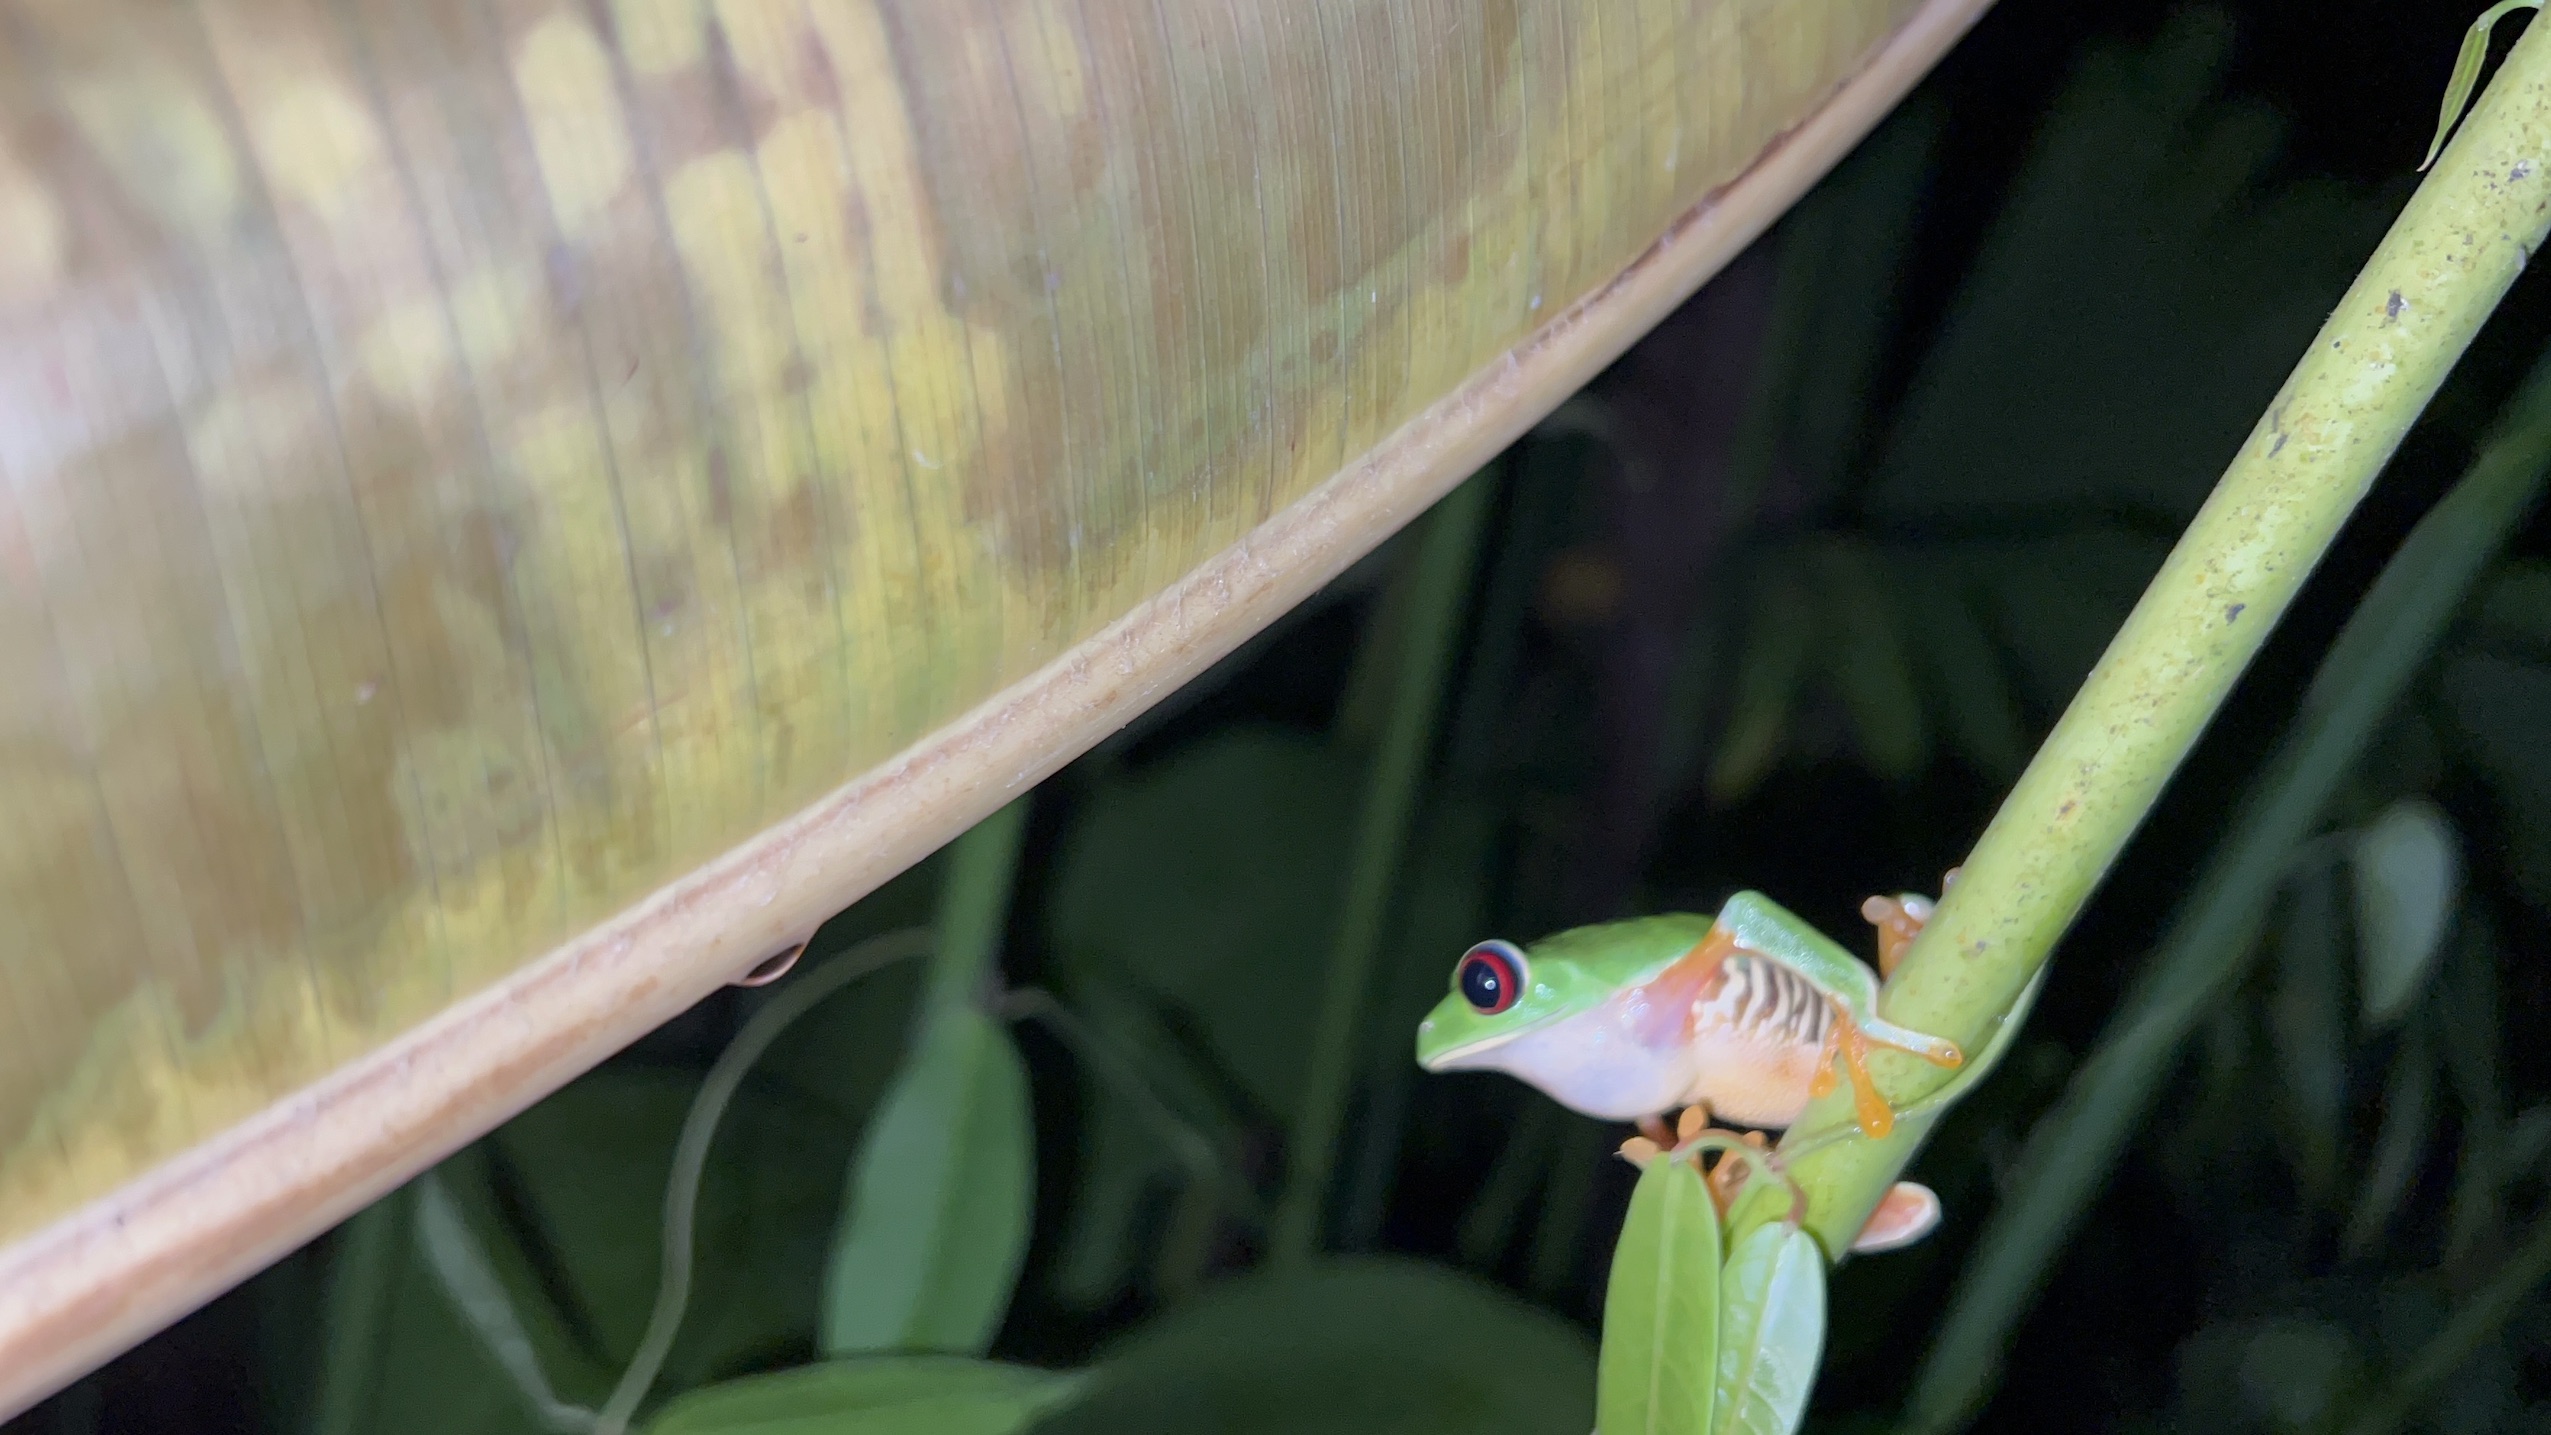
(2061, 284)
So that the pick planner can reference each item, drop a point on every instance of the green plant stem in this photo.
(466, 1274)
(974, 905)
(2457, 246)
(1206, 1166)
(1440, 586)
(699, 1128)
(2211, 938)
(1559, 1237)
(1488, 1227)
(356, 1303)
(2475, 1319)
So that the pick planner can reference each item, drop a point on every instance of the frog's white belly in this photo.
(1593, 1063)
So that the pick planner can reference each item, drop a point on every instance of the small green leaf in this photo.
(1773, 662)
(2408, 1101)
(1771, 1331)
(1660, 1312)
(1972, 688)
(2407, 871)
(361, 1270)
(2524, 1142)
(929, 1247)
(1866, 664)
(2475, 52)
(2496, 705)
(2294, 1367)
(887, 1395)
(2516, 606)
(470, 1281)
(2307, 1017)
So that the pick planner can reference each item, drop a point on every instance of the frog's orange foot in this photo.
(1844, 1038)
(1655, 1138)
(1905, 1214)
(1739, 1153)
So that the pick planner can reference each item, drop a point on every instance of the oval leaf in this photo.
(888, 1395)
(1660, 1312)
(1971, 684)
(1771, 1331)
(2307, 1019)
(2399, 1146)
(1866, 665)
(1344, 1347)
(929, 1248)
(1773, 663)
(2407, 873)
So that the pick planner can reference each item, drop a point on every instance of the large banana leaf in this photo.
(515, 509)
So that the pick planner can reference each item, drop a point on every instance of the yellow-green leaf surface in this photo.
(1771, 1332)
(1661, 1310)
(470, 467)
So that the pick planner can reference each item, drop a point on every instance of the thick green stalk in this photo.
(2457, 246)
(974, 905)
(1439, 587)
(357, 1306)
(2069, 1154)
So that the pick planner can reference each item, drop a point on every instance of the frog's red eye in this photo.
(1490, 977)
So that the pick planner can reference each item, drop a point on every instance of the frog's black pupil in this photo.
(1485, 983)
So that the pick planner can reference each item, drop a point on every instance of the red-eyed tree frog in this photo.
(1744, 1015)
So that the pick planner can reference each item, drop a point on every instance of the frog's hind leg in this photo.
(1906, 1214)
(1900, 919)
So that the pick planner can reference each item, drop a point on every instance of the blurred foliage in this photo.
(1782, 601)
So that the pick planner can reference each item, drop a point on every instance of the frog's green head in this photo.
(1500, 991)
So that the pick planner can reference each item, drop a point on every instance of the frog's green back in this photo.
(1627, 952)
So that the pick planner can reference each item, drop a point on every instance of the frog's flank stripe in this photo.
(1767, 997)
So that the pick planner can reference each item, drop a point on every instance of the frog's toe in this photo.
(1899, 920)
(1935, 1050)
(1905, 1214)
(1639, 1151)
